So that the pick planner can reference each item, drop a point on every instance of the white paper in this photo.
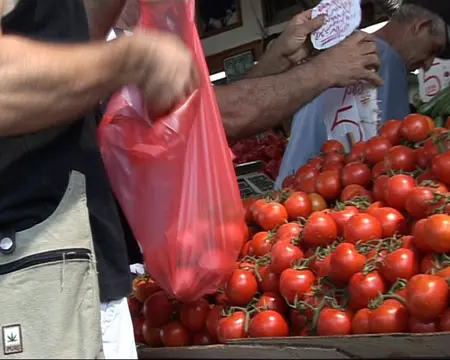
(342, 18)
(433, 81)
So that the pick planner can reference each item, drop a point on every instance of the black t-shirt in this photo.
(35, 168)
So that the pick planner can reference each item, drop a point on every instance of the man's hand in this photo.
(351, 61)
(292, 43)
(163, 68)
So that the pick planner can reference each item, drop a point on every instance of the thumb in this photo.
(312, 25)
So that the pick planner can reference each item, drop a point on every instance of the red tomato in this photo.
(433, 148)
(231, 327)
(271, 215)
(444, 273)
(306, 172)
(364, 288)
(332, 166)
(415, 127)
(135, 307)
(298, 205)
(392, 222)
(356, 173)
(319, 230)
(272, 301)
(138, 327)
(160, 301)
(328, 184)
(203, 338)
(421, 158)
(316, 162)
(357, 153)
(296, 283)
(345, 261)
(361, 322)
(212, 319)
(152, 336)
(362, 227)
(144, 288)
(420, 237)
(427, 296)
(400, 158)
(342, 216)
(400, 264)
(440, 166)
(377, 149)
(417, 326)
(429, 264)
(241, 288)
(321, 267)
(330, 146)
(390, 317)
(378, 170)
(268, 324)
(333, 322)
(437, 233)
(255, 208)
(318, 202)
(333, 157)
(269, 280)
(352, 191)
(297, 319)
(374, 206)
(391, 131)
(174, 335)
(247, 203)
(261, 244)
(193, 315)
(288, 231)
(284, 254)
(398, 189)
(444, 323)
(418, 202)
(288, 183)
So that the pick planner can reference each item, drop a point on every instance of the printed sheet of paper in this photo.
(342, 18)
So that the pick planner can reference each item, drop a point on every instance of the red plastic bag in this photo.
(174, 176)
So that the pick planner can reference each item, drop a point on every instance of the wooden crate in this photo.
(346, 347)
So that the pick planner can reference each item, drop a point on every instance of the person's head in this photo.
(418, 34)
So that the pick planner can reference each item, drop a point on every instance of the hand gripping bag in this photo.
(173, 176)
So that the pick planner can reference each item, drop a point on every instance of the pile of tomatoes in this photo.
(356, 243)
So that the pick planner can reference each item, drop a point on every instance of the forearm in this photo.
(44, 85)
(269, 64)
(251, 106)
(102, 15)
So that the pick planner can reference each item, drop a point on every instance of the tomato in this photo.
(297, 319)
(272, 301)
(298, 205)
(174, 335)
(160, 301)
(316, 162)
(421, 158)
(430, 264)
(268, 324)
(152, 336)
(400, 264)
(374, 206)
(330, 146)
(352, 191)
(377, 149)
(318, 202)
(261, 244)
(296, 283)
(427, 296)
(357, 153)
(415, 127)
(288, 183)
(390, 317)
(271, 215)
(392, 222)
(319, 230)
(356, 173)
(362, 227)
(135, 307)
(328, 184)
(144, 288)
(333, 157)
(305, 185)
(247, 203)
(398, 189)
(444, 273)
(284, 254)
(361, 322)
(391, 131)
(444, 323)
(332, 166)
(255, 208)
(321, 267)
(440, 166)
(241, 288)
(378, 170)
(345, 261)
(418, 202)
(212, 319)
(306, 172)
(364, 288)
(420, 237)
(400, 158)
(246, 250)
(288, 231)
(418, 326)
(333, 322)
(433, 148)
(203, 338)
(342, 216)
(269, 280)
(193, 315)
(231, 327)
(138, 327)
(437, 233)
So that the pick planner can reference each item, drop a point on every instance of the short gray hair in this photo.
(408, 12)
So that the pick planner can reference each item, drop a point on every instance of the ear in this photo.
(420, 25)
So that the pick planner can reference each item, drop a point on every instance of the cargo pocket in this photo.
(50, 306)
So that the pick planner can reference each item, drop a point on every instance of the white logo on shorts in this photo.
(12, 339)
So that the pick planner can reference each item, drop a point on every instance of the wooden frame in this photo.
(226, 23)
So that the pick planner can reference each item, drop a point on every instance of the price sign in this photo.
(342, 17)
(433, 81)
